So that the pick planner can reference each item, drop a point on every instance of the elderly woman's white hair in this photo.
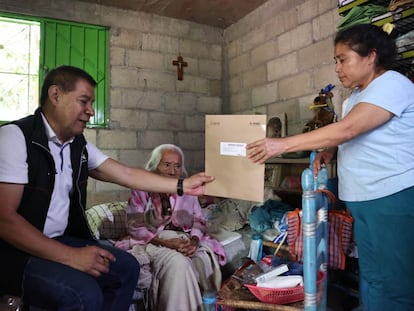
(156, 156)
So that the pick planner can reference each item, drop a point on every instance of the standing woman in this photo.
(374, 144)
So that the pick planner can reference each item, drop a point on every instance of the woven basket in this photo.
(281, 295)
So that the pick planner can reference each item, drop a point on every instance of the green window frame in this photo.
(77, 44)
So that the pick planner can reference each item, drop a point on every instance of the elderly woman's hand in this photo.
(185, 246)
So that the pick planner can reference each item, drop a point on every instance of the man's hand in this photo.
(194, 185)
(90, 259)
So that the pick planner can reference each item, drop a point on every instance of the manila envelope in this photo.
(226, 137)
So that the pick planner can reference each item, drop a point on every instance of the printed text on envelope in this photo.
(233, 149)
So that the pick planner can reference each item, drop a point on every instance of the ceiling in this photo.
(216, 13)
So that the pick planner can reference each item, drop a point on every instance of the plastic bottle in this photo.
(209, 300)
(256, 247)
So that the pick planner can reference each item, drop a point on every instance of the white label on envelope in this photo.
(233, 149)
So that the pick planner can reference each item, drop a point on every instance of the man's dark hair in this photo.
(366, 38)
(65, 77)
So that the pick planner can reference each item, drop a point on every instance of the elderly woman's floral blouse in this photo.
(146, 219)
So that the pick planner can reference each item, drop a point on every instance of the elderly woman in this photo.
(184, 260)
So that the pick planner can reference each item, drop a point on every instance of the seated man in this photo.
(48, 254)
(184, 259)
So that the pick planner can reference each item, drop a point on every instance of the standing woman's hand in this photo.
(323, 157)
(263, 149)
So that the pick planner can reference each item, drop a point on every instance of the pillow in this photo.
(108, 220)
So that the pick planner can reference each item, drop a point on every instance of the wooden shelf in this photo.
(403, 19)
(280, 160)
(342, 10)
(290, 191)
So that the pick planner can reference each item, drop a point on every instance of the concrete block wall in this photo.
(277, 58)
(148, 106)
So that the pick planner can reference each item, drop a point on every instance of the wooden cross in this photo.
(180, 63)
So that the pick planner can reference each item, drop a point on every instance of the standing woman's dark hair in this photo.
(366, 38)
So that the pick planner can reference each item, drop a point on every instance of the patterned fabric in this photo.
(340, 234)
(145, 220)
(108, 220)
(339, 237)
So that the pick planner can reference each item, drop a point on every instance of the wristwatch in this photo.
(180, 187)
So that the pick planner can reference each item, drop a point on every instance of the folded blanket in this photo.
(361, 14)
(263, 217)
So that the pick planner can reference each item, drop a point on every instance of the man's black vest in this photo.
(37, 195)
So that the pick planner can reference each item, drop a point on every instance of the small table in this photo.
(234, 295)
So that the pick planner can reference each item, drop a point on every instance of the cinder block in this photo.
(149, 139)
(170, 26)
(115, 95)
(264, 94)
(325, 25)
(117, 56)
(144, 59)
(295, 86)
(160, 43)
(295, 39)
(232, 49)
(264, 52)
(181, 102)
(316, 54)
(240, 102)
(254, 77)
(307, 11)
(134, 158)
(155, 81)
(239, 64)
(193, 84)
(191, 140)
(117, 139)
(166, 121)
(130, 118)
(142, 99)
(210, 68)
(216, 52)
(209, 105)
(126, 38)
(194, 123)
(216, 88)
(324, 75)
(195, 48)
(252, 39)
(282, 67)
(123, 77)
(90, 135)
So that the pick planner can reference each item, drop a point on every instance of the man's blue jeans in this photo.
(53, 286)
